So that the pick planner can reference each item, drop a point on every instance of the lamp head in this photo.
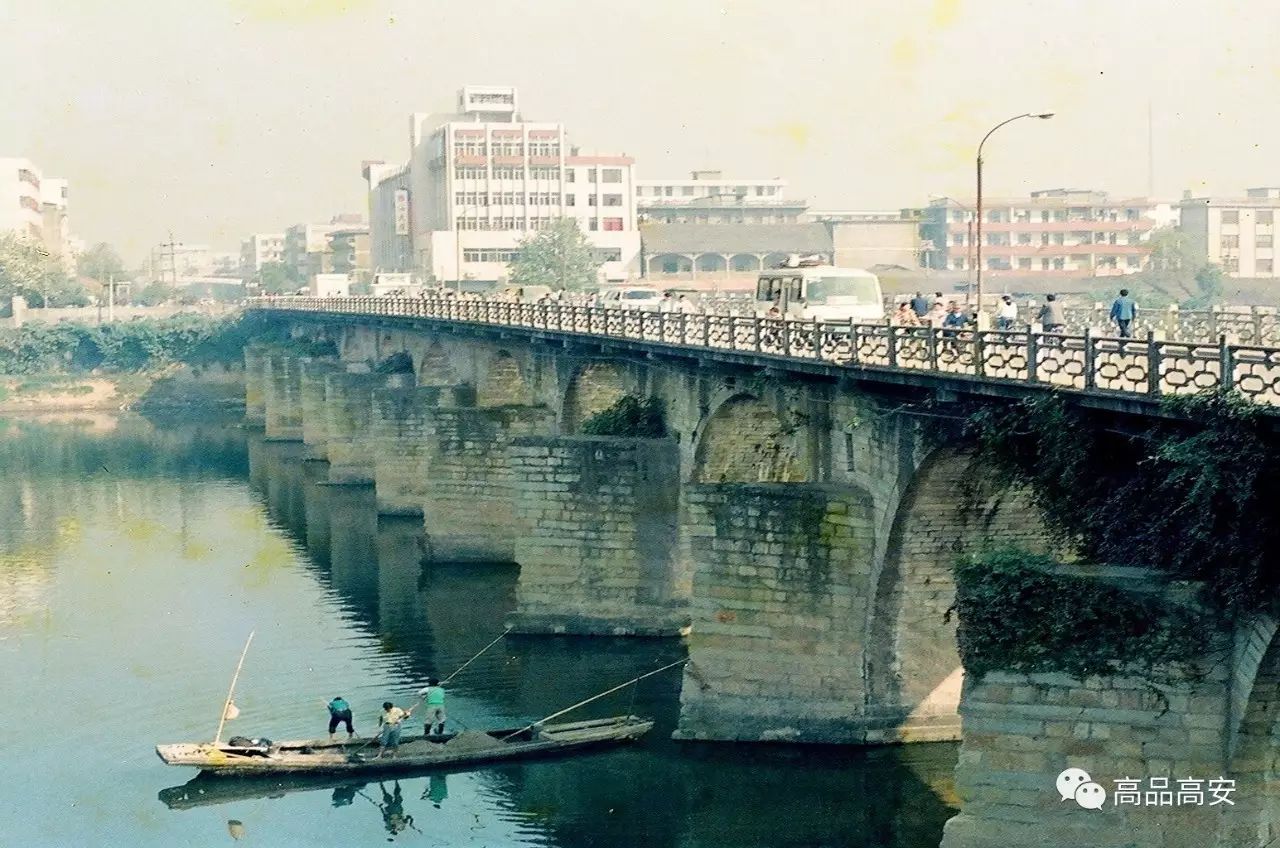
(1042, 115)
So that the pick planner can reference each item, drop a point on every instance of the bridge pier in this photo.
(780, 593)
(596, 539)
(402, 437)
(349, 414)
(1216, 721)
(315, 417)
(468, 510)
(282, 391)
(255, 370)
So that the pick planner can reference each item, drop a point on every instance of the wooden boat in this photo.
(415, 752)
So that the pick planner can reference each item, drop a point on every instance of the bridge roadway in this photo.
(1102, 371)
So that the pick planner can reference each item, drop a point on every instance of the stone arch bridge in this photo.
(799, 526)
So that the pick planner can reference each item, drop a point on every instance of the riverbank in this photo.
(173, 390)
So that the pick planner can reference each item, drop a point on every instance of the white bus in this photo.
(820, 292)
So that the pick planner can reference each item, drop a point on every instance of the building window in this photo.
(1264, 266)
(611, 175)
(1024, 238)
(1133, 261)
(569, 200)
(1263, 240)
(611, 200)
(1044, 216)
(467, 172)
(958, 240)
(958, 217)
(1230, 242)
(1044, 264)
(613, 225)
(1232, 217)
(490, 254)
(1132, 214)
(1044, 238)
(591, 200)
(591, 175)
(569, 175)
(508, 173)
(593, 225)
(1024, 264)
(957, 264)
(1264, 217)
(1059, 238)
(607, 254)
(544, 173)
(1059, 264)
(1230, 264)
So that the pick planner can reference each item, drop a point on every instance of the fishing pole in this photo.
(593, 698)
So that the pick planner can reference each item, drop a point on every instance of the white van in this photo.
(631, 297)
(821, 292)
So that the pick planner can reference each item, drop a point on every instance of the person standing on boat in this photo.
(433, 696)
(340, 713)
(391, 722)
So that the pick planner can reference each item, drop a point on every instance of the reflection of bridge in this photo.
(989, 361)
(799, 517)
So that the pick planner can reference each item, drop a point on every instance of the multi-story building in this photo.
(21, 198)
(258, 250)
(708, 198)
(306, 246)
(1235, 233)
(350, 249)
(1057, 232)
(482, 180)
(55, 225)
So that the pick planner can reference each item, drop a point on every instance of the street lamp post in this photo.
(978, 278)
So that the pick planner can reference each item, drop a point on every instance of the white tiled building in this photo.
(480, 181)
(1237, 233)
(707, 197)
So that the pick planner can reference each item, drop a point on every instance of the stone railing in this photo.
(1086, 362)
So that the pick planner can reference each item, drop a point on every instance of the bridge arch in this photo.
(593, 388)
(434, 367)
(913, 667)
(500, 381)
(745, 440)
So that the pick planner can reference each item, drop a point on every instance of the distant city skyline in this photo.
(220, 119)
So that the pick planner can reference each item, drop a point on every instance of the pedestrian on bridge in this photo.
(1052, 316)
(1123, 311)
(920, 305)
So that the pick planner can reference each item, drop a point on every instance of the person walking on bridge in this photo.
(920, 305)
(1123, 311)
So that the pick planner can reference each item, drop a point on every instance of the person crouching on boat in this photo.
(433, 696)
(340, 713)
(391, 722)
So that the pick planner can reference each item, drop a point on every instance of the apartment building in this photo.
(175, 263)
(306, 246)
(258, 250)
(483, 179)
(21, 198)
(350, 249)
(1056, 232)
(707, 197)
(1235, 233)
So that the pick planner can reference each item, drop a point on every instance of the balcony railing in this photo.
(1086, 363)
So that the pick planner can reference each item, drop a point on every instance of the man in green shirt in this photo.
(433, 696)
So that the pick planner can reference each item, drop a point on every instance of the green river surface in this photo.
(136, 559)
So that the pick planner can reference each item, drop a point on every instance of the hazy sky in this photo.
(216, 118)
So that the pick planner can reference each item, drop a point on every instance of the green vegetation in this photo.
(628, 416)
(1016, 615)
(1194, 495)
(101, 263)
(27, 269)
(1176, 274)
(199, 341)
(560, 257)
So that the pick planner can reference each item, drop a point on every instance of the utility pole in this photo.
(173, 259)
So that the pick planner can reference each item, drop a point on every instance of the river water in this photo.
(135, 559)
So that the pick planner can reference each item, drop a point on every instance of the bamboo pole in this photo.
(222, 719)
(593, 698)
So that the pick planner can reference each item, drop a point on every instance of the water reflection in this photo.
(146, 585)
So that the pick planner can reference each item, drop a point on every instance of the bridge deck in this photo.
(1123, 372)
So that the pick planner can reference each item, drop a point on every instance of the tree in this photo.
(153, 294)
(560, 257)
(27, 269)
(276, 278)
(101, 263)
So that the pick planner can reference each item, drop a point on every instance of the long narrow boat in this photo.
(415, 753)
